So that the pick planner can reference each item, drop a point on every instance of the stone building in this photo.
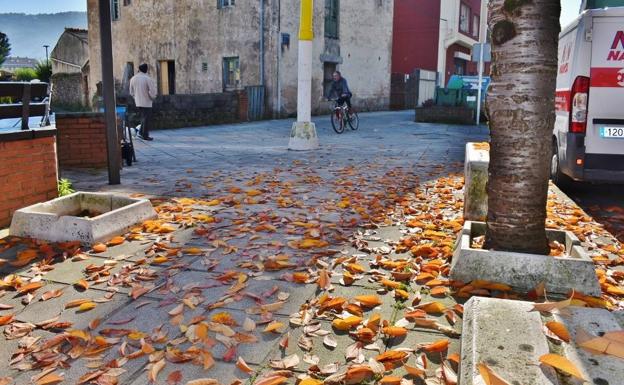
(13, 63)
(70, 69)
(212, 46)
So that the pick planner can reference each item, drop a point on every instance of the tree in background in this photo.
(43, 69)
(520, 106)
(5, 47)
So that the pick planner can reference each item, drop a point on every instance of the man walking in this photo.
(143, 90)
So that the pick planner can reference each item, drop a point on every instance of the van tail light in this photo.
(578, 111)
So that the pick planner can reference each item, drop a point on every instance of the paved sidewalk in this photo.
(263, 262)
(390, 139)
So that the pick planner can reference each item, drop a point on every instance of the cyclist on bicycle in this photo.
(340, 89)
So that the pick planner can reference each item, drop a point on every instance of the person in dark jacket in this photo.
(340, 89)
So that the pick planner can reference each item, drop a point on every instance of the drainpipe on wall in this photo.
(262, 43)
(279, 58)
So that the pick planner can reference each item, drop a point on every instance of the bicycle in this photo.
(340, 117)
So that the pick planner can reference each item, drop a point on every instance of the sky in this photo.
(42, 6)
(569, 8)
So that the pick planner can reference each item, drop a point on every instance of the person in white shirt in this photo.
(143, 90)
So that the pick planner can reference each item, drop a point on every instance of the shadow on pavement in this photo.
(604, 202)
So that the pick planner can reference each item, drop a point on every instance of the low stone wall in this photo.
(444, 114)
(81, 140)
(67, 90)
(28, 170)
(175, 111)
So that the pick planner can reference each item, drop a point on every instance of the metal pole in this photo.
(108, 92)
(481, 37)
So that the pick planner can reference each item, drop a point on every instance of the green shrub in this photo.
(25, 74)
(43, 69)
(65, 187)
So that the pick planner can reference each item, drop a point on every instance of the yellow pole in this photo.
(303, 134)
(306, 24)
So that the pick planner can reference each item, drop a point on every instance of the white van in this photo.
(588, 137)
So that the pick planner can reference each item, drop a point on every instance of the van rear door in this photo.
(605, 120)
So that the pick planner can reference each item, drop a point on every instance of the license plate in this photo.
(612, 132)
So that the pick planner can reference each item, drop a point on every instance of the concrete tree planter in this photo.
(476, 175)
(85, 217)
(523, 272)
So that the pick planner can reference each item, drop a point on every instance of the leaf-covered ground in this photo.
(330, 273)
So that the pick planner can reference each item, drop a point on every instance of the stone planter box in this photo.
(476, 175)
(86, 217)
(523, 272)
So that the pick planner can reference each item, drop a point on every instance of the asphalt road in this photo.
(604, 202)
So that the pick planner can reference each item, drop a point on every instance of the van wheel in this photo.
(556, 175)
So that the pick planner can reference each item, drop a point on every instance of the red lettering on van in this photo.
(619, 40)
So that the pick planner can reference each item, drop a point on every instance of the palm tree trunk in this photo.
(520, 106)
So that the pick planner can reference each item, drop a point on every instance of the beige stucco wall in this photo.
(193, 32)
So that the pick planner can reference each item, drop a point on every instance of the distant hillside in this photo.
(28, 33)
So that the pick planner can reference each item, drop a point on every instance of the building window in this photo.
(166, 77)
(464, 18)
(127, 2)
(328, 73)
(476, 26)
(204, 67)
(332, 15)
(115, 9)
(225, 3)
(231, 73)
(460, 66)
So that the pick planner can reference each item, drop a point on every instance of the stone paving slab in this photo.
(491, 335)
(226, 373)
(301, 293)
(39, 311)
(597, 368)
(6, 353)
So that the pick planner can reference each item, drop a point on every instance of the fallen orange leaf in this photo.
(561, 363)
(559, 330)
(394, 331)
(346, 323)
(369, 300)
(6, 319)
(242, 365)
(50, 379)
(390, 380)
(116, 241)
(489, 376)
(437, 346)
(274, 327)
(86, 306)
(82, 284)
(99, 248)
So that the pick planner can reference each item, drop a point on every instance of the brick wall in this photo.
(81, 140)
(28, 171)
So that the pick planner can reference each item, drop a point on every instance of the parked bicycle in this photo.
(340, 117)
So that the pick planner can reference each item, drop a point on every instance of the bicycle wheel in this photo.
(354, 121)
(337, 121)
